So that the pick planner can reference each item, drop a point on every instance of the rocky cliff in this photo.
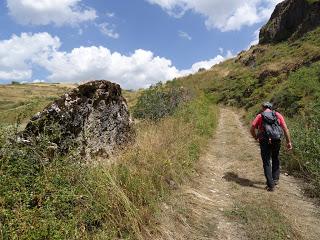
(291, 19)
(93, 119)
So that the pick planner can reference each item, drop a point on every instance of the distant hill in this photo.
(23, 100)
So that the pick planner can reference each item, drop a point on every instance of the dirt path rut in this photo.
(229, 173)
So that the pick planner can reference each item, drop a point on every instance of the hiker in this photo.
(271, 126)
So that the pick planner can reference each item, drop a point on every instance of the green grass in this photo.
(312, 1)
(286, 74)
(57, 197)
(21, 101)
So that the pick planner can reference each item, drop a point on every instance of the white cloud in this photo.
(224, 15)
(38, 81)
(15, 74)
(21, 54)
(207, 64)
(255, 41)
(44, 12)
(184, 35)
(108, 30)
(139, 69)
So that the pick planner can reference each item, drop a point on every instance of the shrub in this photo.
(305, 158)
(15, 83)
(158, 102)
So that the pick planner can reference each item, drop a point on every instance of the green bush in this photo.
(15, 83)
(305, 158)
(158, 102)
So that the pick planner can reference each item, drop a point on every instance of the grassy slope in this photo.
(23, 100)
(60, 199)
(55, 197)
(286, 74)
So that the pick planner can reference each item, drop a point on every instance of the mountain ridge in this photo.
(291, 19)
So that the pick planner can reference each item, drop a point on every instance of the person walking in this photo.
(271, 126)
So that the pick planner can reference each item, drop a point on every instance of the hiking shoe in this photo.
(270, 189)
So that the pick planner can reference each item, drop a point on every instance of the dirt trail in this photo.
(230, 171)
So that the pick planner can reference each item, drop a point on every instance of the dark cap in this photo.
(267, 105)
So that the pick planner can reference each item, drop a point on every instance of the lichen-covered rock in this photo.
(290, 19)
(93, 119)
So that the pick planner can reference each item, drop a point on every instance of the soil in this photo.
(229, 172)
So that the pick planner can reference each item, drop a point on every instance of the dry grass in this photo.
(23, 100)
(262, 220)
(162, 157)
(104, 201)
(131, 97)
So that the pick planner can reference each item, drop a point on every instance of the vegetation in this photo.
(312, 1)
(131, 97)
(286, 74)
(44, 195)
(15, 83)
(158, 102)
(50, 196)
(21, 101)
(262, 220)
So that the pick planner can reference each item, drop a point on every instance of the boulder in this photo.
(92, 119)
(290, 19)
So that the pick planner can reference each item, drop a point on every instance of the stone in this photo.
(92, 119)
(291, 19)
(249, 58)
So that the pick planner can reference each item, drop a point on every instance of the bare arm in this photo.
(253, 132)
(287, 136)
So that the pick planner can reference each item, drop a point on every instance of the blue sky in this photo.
(132, 42)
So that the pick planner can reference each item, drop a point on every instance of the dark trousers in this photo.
(270, 151)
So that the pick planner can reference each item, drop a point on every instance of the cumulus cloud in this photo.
(21, 54)
(224, 15)
(44, 12)
(15, 74)
(137, 70)
(206, 64)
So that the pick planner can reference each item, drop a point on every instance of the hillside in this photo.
(23, 100)
(192, 171)
(285, 73)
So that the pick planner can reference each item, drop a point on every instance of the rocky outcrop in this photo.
(249, 58)
(92, 119)
(291, 19)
